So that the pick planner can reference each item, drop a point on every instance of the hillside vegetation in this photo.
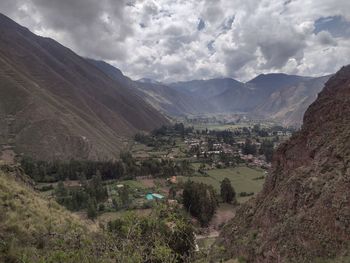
(35, 229)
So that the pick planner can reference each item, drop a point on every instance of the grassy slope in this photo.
(33, 229)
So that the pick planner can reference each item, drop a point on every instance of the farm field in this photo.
(243, 179)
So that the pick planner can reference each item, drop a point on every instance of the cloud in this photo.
(325, 38)
(171, 40)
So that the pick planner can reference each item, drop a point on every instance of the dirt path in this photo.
(223, 214)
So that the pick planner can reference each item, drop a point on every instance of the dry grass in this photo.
(33, 229)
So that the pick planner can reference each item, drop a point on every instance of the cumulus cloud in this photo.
(170, 40)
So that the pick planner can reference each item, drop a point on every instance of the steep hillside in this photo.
(56, 105)
(288, 105)
(164, 98)
(303, 212)
(33, 229)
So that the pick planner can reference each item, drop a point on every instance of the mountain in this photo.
(275, 96)
(54, 104)
(164, 98)
(271, 82)
(287, 105)
(255, 92)
(303, 211)
(110, 71)
(207, 89)
(173, 102)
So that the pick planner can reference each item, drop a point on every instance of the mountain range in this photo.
(276, 96)
(280, 97)
(88, 109)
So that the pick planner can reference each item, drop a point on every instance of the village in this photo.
(158, 167)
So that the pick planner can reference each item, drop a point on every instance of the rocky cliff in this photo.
(303, 212)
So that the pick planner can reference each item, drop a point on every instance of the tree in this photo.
(249, 147)
(267, 150)
(227, 192)
(200, 201)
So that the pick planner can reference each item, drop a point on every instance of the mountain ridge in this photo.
(56, 99)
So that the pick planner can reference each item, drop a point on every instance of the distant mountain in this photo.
(268, 83)
(207, 89)
(288, 105)
(254, 92)
(303, 211)
(164, 98)
(54, 104)
(173, 102)
(276, 96)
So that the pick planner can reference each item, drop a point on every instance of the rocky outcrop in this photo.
(303, 212)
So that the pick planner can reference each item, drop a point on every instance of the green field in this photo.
(242, 179)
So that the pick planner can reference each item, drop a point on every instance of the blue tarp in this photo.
(151, 196)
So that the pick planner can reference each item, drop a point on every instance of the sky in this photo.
(177, 40)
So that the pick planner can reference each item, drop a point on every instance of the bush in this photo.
(227, 192)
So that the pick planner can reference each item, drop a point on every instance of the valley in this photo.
(241, 156)
(155, 171)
